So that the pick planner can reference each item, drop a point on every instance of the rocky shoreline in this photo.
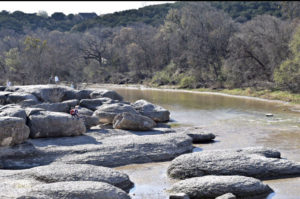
(45, 153)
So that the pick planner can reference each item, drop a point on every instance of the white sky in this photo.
(74, 7)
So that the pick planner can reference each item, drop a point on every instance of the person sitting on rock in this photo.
(74, 112)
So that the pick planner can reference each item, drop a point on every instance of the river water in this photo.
(236, 122)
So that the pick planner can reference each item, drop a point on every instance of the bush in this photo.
(188, 82)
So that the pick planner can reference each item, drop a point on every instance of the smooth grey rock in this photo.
(54, 124)
(258, 162)
(106, 93)
(13, 130)
(2, 88)
(155, 112)
(198, 136)
(91, 104)
(90, 121)
(28, 103)
(75, 189)
(132, 121)
(18, 97)
(44, 93)
(103, 147)
(3, 97)
(71, 103)
(213, 186)
(54, 107)
(107, 112)
(84, 111)
(226, 196)
(59, 172)
(13, 110)
(76, 94)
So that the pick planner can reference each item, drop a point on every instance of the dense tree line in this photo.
(197, 45)
(154, 15)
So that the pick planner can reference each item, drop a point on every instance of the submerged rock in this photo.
(255, 162)
(155, 112)
(133, 122)
(213, 186)
(12, 131)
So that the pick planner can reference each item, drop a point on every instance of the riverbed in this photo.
(236, 121)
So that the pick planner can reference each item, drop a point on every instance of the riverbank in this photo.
(291, 100)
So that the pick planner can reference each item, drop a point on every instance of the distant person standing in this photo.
(56, 79)
(51, 80)
(8, 83)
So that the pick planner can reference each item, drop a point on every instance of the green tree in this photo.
(288, 75)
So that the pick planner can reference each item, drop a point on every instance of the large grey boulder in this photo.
(102, 147)
(13, 130)
(91, 104)
(155, 112)
(87, 116)
(45, 93)
(90, 121)
(71, 103)
(54, 107)
(85, 111)
(59, 172)
(77, 94)
(107, 112)
(258, 162)
(54, 124)
(3, 97)
(2, 88)
(17, 97)
(213, 186)
(13, 110)
(132, 121)
(106, 93)
(75, 189)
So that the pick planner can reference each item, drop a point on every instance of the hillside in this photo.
(151, 15)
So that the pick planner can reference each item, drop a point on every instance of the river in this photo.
(236, 122)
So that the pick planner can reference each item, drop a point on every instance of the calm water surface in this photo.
(236, 123)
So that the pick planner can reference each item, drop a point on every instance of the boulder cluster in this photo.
(46, 153)
(42, 111)
(229, 173)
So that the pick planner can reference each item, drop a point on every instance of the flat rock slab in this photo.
(212, 186)
(59, 172)
(255, 162)
(198, 135)
(106, 147)
(75, 189)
